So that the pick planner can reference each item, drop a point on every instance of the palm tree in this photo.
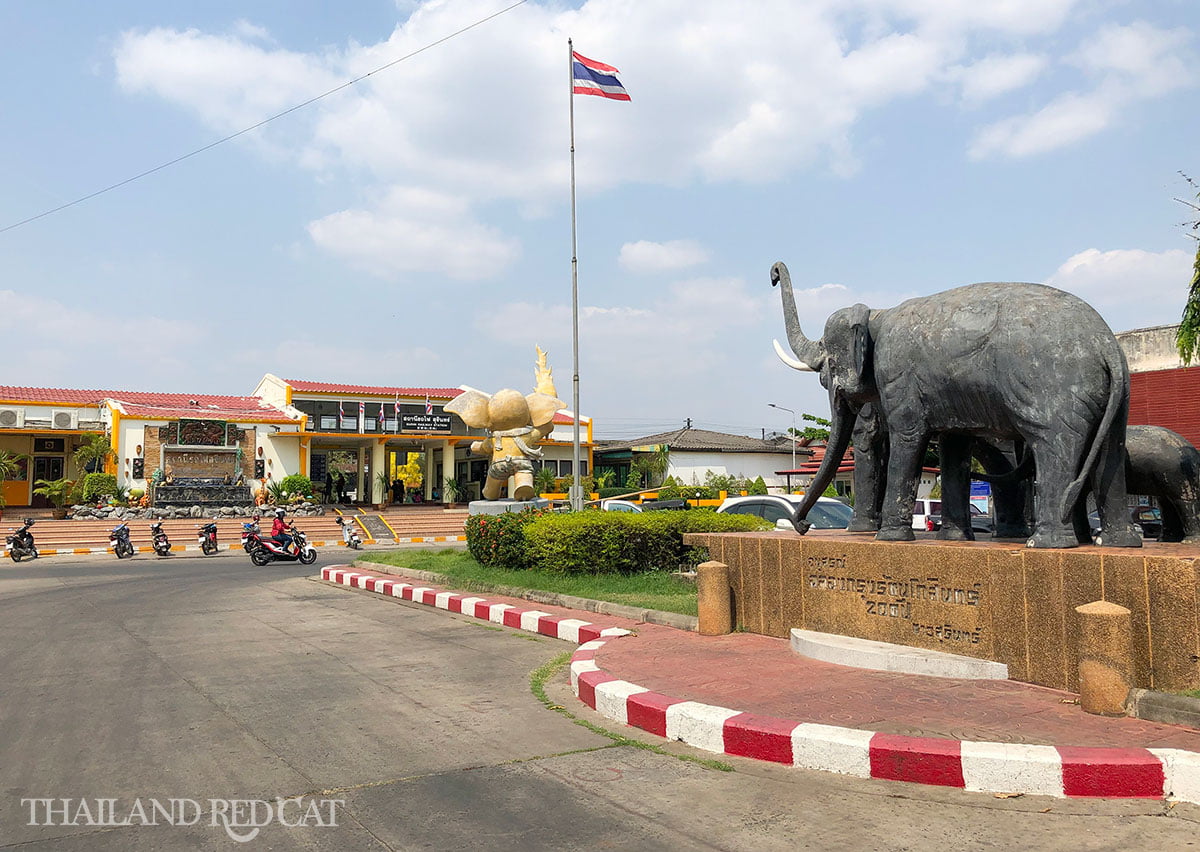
(94, 449)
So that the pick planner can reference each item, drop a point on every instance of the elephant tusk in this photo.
(790, 361)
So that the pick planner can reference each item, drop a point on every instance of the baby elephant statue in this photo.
(516, 423)
(1163, 464)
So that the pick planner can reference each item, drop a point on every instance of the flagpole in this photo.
(576, 494)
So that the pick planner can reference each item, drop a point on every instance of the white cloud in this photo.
(1131, 288)
(415, 230)
(718, 94)
(43, 331)
(647, 257)
(998, 74)
(1061, 122)
(1129, 63)
(228, 81)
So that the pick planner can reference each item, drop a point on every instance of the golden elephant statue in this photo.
(516, 424)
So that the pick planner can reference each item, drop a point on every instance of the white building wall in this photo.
(281, 455)
(690, 468)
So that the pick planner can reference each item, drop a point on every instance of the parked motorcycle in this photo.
(208, 537)
(350, 536)
(118, 539)
(20, 543)
(251, 536)
(272, 550)
(162, 544)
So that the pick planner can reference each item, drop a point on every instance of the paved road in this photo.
(194, 678)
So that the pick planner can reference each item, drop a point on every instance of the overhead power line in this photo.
(265, 121)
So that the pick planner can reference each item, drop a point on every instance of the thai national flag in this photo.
(428, 405)
(595, 78)
(381, 416)
(396, 407)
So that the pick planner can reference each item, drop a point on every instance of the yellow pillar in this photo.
(1105, 657)
(713, 599)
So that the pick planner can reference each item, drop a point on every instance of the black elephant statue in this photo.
(1164, 464)
(1003, 361)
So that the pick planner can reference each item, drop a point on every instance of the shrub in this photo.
(97, 485)
(297, 484)
(624, 543)
(758, 486)
(500, 539)
(543, 480)
(614, 491)
(688, 492)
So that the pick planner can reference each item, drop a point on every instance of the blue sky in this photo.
(414, 229)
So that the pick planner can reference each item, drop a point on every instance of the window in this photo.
(745, 509)
(774, 512)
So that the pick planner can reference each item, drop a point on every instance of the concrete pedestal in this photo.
(1105, 657)
(499, 507)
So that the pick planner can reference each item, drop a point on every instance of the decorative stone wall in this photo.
(981, 599)
(152, 443)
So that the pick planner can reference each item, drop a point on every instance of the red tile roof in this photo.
(813, 463)
(376, 390)
(152, 404)
(563, 417)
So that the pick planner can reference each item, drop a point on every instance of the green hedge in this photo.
(97, 485)
(622, 542)
(297, 484)
(500, 539)
(614, 491)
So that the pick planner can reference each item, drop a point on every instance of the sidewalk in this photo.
(751, 695)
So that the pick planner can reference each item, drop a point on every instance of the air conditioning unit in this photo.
(64, 419)
(12, 418)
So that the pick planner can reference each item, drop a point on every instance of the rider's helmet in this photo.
(279, 513)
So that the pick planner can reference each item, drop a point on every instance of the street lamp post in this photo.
(793, 435)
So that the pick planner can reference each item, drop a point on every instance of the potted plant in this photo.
(543, 480)
(57, 491)
(385, 489)
(457, 492)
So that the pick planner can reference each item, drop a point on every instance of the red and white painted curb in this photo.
(1063, 771)
(531, 620)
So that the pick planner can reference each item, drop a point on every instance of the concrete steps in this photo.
(432, 523)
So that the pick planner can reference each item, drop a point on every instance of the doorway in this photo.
(49, 468)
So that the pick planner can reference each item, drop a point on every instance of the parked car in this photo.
(980, 522)
(925, 512)
(1147, 518)
(615, 505)
(780, 509)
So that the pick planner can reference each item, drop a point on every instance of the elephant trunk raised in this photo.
(809, 352)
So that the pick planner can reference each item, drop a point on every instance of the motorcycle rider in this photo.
(279, 530)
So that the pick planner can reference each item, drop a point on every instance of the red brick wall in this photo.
(1169, 398)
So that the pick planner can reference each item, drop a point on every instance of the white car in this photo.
(619, 506)
(927, 514)
(780, 509)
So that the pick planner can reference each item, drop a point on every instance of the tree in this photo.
(1187, 339)
(94, 450)
(819, 432)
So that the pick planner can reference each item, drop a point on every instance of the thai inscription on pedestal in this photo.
(855, 591)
